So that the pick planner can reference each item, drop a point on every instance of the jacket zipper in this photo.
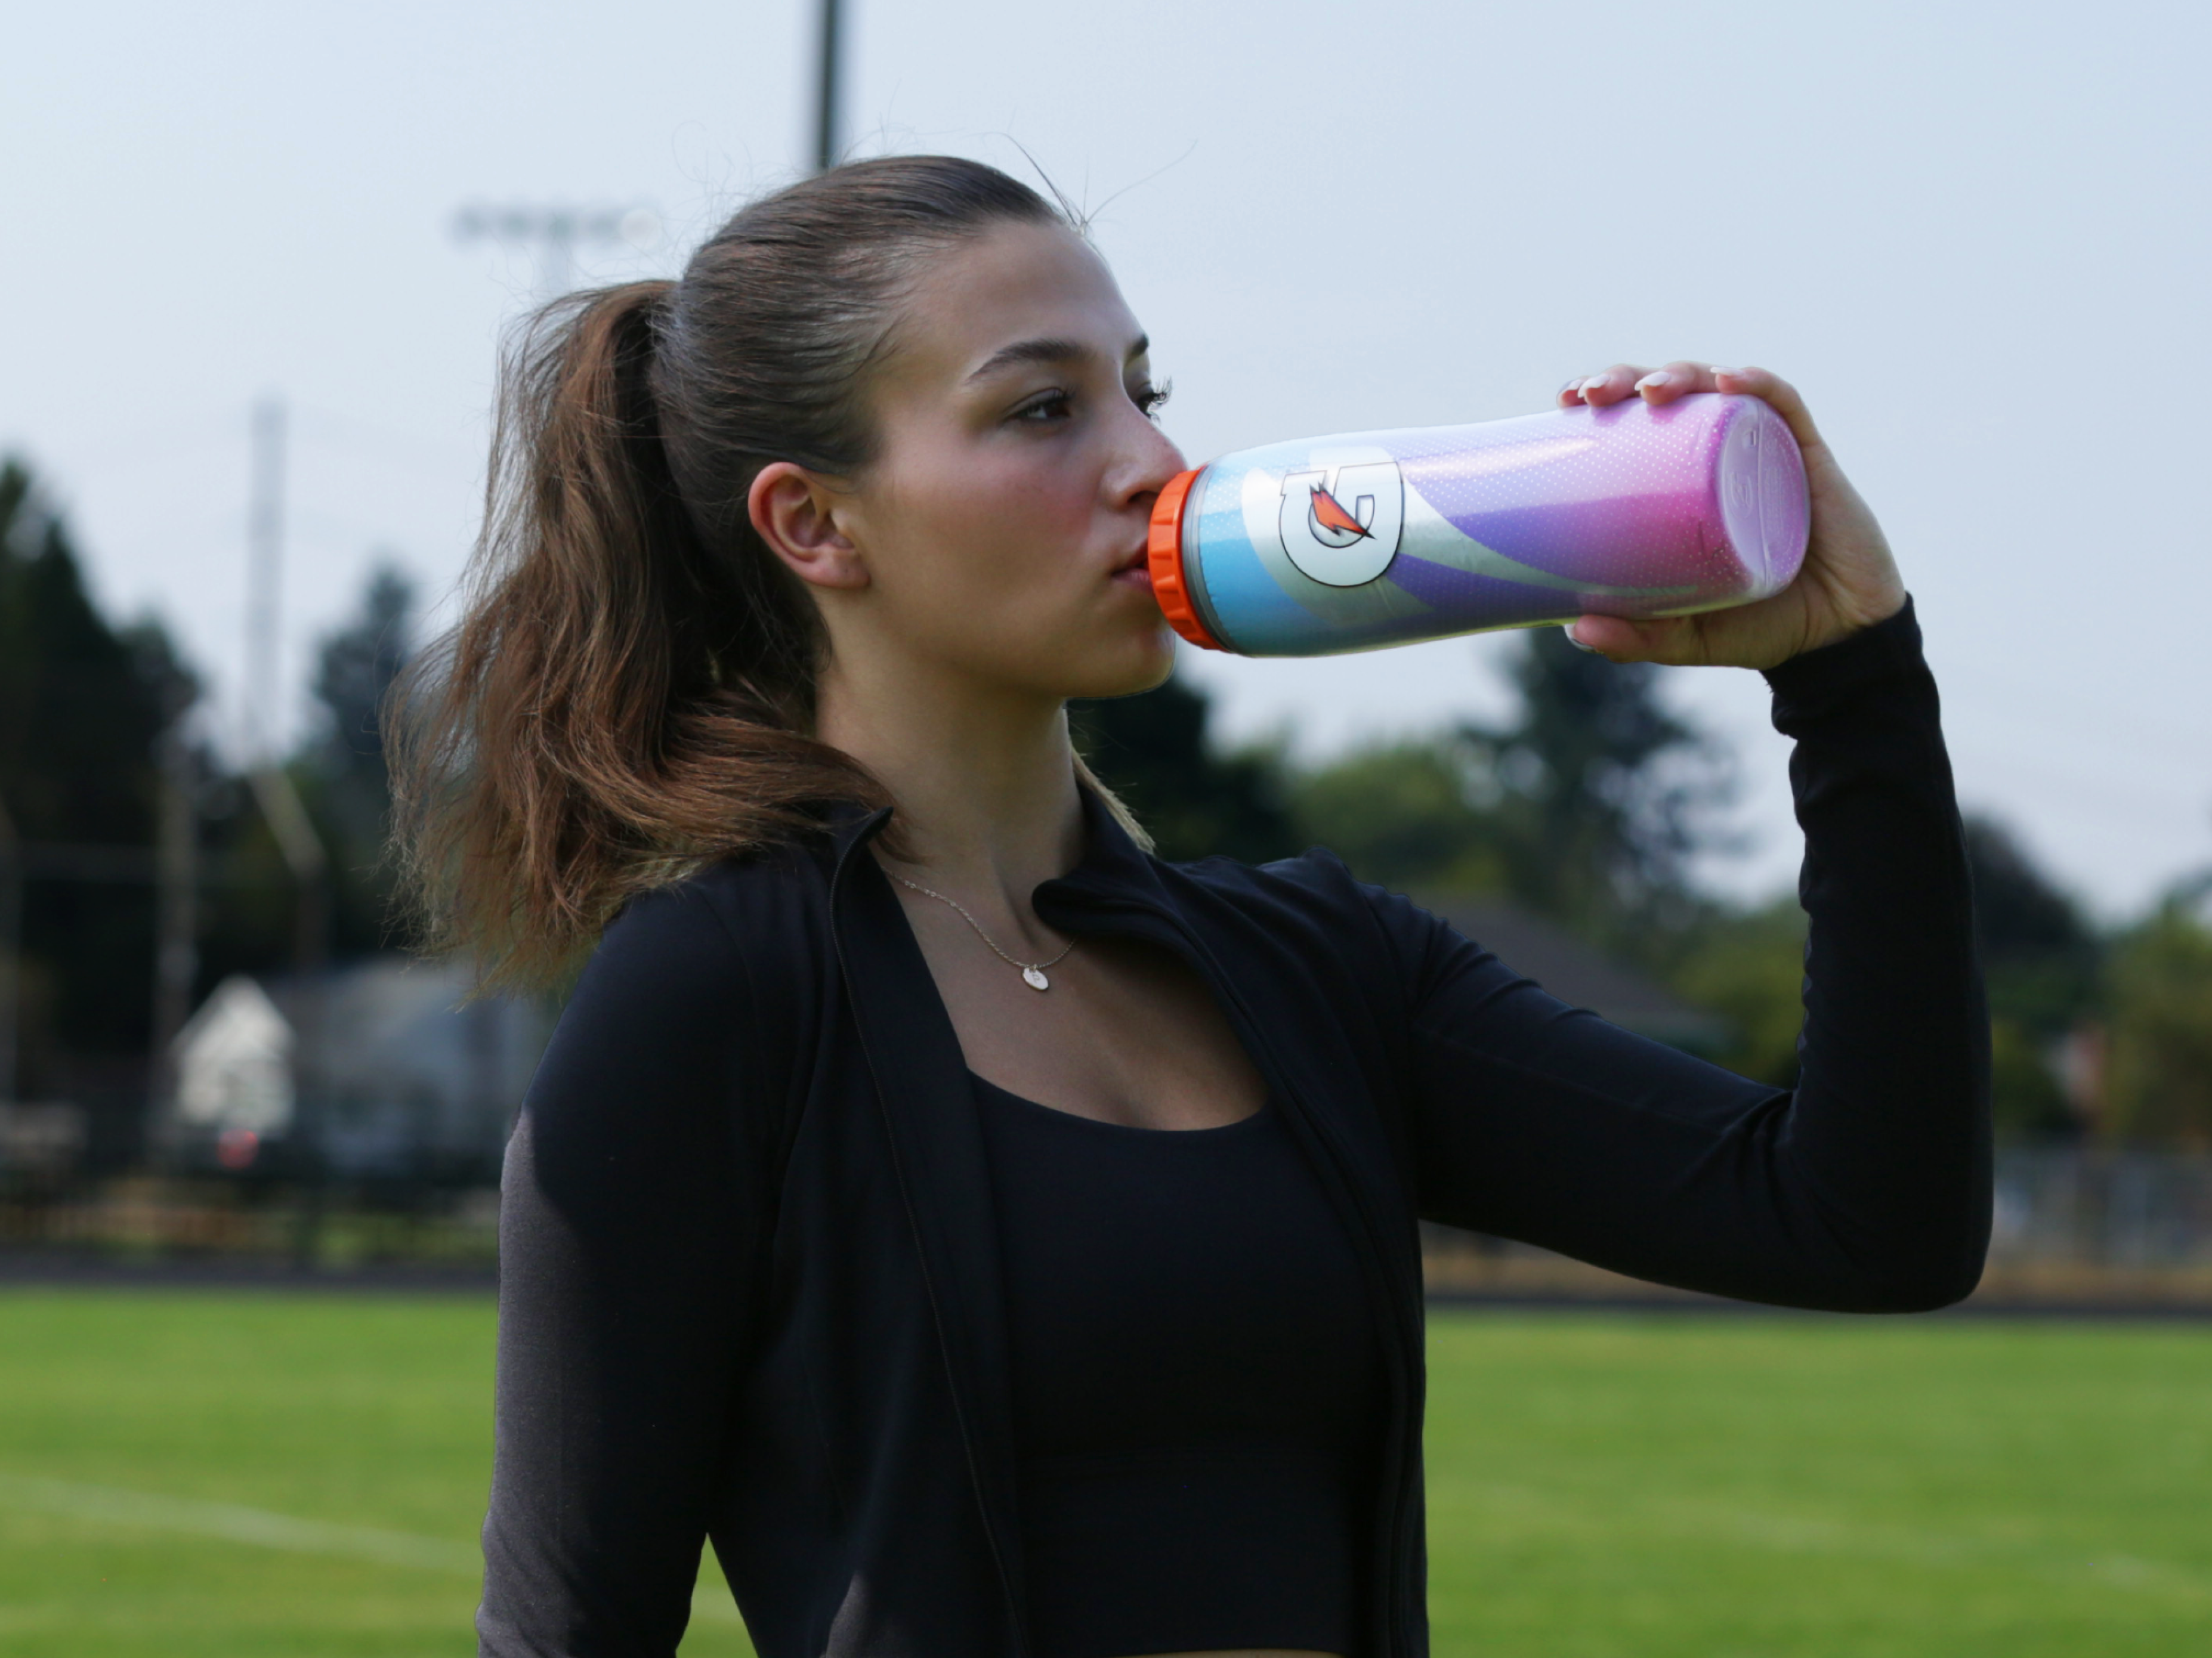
(1405, 1355)
(1017, 1624)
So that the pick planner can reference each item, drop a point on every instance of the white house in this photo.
(385, 1065)
(233, 1063)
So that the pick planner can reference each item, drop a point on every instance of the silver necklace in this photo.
(1032, 972)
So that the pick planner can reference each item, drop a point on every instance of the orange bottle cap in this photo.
(1163, 552)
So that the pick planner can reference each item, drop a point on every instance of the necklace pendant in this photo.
(1035, 979)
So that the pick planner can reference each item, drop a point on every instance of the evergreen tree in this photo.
(83, 706)
(2161, 1025)
(1154, 750)
(1414, 815)
(344, 773)
(2040, 960)
(341, 773)
(1748, 967)
(1603, 796)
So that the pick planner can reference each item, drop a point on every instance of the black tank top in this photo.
(1195, 1382)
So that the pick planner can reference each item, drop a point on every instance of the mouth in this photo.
(1136, 570)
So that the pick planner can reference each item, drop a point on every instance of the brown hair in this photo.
(630, 691)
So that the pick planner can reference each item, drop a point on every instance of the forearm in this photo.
(1889, 1132)
(1867, 1188)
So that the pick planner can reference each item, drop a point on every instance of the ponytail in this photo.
(618, 704)
(630, 690)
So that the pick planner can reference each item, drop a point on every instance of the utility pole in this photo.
(828, 85)
(176, 911)
(11, 946)
(280, 803)
(264, 582)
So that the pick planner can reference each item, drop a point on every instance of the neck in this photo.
(983, 780)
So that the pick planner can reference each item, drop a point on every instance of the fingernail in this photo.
(1718, 371)
(1652, 382)
(1594, 383)
(1570, 631)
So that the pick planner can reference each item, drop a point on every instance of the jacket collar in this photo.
(1114, 871)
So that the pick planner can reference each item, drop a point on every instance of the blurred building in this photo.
(1580, 974)
(379, 1071)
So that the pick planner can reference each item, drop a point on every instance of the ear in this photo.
(792, 508)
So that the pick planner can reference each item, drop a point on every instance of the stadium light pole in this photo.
(554, 233)
(829, 85)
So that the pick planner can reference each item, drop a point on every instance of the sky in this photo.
(1974, 234)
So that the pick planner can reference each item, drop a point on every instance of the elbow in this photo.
(1926, 1281)
(1926, 1292)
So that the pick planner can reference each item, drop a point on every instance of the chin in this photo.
(1140, 664)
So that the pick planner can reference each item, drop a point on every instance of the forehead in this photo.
(1014, 282)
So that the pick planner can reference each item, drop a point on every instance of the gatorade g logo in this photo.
(1341, 527)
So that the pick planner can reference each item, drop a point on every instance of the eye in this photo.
(1151, 398)
(1045, 409)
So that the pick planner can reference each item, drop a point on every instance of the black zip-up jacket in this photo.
(750, 1288)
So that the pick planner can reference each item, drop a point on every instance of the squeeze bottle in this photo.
(1324, 545)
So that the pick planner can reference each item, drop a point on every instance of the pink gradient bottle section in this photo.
(1348, 544)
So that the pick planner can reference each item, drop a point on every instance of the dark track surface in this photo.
(58, 1272)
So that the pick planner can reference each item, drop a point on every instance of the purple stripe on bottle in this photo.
(1462, 592)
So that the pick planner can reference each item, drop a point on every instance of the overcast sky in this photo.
(1975, 234)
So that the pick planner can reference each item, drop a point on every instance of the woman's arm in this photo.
(631, 1219)
(1867, 1187)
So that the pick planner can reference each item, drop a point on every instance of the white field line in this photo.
(235, 1523)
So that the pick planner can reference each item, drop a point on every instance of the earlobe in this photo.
(793, 512)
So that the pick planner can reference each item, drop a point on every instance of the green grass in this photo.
(1730, 1487)
(1599, 1485)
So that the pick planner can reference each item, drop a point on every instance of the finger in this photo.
(1676, 379)
(1778, 394)
(1672, 640)
(1607, 386)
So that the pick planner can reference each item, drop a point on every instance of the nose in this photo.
(1148, 458)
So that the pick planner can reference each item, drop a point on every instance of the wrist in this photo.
(1877, 649)
(1854, 616)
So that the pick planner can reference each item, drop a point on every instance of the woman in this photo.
(995, 1240)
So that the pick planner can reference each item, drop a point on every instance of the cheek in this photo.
(996, 568)
(992, 543)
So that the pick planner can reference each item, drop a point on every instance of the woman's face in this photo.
(1002, 525)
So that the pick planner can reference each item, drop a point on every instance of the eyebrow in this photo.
(1046, 350)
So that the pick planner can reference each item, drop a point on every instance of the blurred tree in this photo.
(2159, 1079)
(1604, 797)
(1748, 967)
(344, 771)
(1409, 816)
(341, 773)
(2040, 958)
(83, 705)
(1153, 750)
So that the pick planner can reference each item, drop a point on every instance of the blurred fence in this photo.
(2072, 1223)
(2102, 1207)
(2089, 1226)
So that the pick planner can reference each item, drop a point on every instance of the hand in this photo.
(1849, 580)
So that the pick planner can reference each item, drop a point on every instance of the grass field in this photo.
(196, 1474)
